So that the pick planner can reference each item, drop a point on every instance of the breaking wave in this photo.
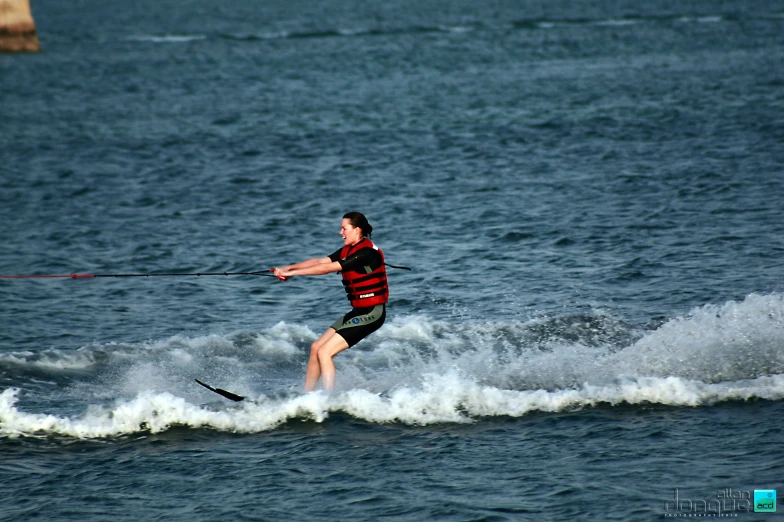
(414, 370)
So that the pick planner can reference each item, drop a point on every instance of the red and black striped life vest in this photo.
(365, 285)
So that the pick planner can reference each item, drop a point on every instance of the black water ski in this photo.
(231, 396)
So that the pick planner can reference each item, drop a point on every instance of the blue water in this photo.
(589, 194)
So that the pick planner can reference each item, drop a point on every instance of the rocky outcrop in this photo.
(17, 29)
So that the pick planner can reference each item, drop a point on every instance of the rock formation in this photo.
(17, 29)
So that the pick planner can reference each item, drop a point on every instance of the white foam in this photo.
(455, 28)
(738, 340)
(280, 342)
(618, 23)
(701, 19)
(171, 38)
(419, 371)
(148, 411)
(51, 359)
(445, 398)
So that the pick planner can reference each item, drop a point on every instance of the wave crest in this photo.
(414, 370)
(449, 398)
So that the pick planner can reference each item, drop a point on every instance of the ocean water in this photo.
(590, 196)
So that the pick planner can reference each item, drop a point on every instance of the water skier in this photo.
(361, 264)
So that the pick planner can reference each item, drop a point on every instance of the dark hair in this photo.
(359, 220)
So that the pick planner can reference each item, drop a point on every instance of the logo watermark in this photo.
(764, 500)
(727, 503)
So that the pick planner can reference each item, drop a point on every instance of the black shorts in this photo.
(360, 322)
